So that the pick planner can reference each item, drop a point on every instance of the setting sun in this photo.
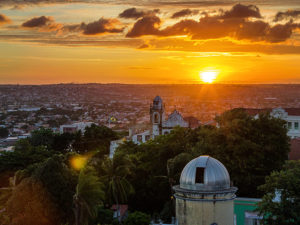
(208, 76)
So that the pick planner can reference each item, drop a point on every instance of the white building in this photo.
(290, 115)
(114, 145)
(158, 124)
(72, 128)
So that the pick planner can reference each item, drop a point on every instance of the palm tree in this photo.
(118, 187)
(89, 195)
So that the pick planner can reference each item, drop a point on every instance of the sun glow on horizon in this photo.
(208, 76)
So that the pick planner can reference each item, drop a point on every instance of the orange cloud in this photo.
(234, 23)
(100, 26)
(44, 23)
(290, 14)
(133, 13)
(184, 12)
(4, 19)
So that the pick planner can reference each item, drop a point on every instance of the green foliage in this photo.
(95, 137)
(286, 182)
(42, 137)
(168, 212)
(114, 176)
(23, 145)
(249, 148)
(104, 216)
(30, 203)
(59, 181)
(89, 195)
(3, 132)
(62, 142)
(137, 218)
(19, 159)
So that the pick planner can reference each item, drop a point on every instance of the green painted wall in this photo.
(241, 205)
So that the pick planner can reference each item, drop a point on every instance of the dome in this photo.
(205, 174)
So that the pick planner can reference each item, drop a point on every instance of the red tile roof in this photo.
(293, 111)
(290, 111)
(255, 111)
(123, 209)
(193, 121)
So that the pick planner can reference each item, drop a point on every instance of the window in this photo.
(289, 125)
(139, 138)
(296, 126)
(166, 132)
(156, 118)
(147, 137)
(199, 179)
(252, 218)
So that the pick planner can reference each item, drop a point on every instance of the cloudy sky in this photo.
(146, 41)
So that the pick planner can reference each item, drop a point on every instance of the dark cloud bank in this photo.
(236, 23)
(133, 13)
(241, 22)
(100, 26)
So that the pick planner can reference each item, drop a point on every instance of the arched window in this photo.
(156, 118)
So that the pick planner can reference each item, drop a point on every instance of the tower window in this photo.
(156, 118)
(199, 175)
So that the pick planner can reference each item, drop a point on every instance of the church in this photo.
(159, 125)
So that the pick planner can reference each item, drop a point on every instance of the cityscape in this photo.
(27, 108)
(174, 112)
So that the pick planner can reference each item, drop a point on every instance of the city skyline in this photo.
(142, 42)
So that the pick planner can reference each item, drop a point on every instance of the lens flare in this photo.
(78, 162)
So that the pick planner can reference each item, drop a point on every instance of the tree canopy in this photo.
(142, 176)
(281, 203)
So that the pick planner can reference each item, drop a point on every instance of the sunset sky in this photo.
(146, 41)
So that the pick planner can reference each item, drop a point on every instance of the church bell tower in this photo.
(157, 116)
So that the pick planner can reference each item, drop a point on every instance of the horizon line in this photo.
(117, 83)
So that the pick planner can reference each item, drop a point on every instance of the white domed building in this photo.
(204, 195)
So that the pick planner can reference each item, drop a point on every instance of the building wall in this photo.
(295, 149)
(243, 205)
(293, 124)
(204, 212)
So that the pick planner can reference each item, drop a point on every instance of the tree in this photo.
(3, 132)
(42, 137)
(60, 182)
(250, 148)
(150, 170)
(285, 183)
(22, 157)
(115, 171)
(104, 216)
(88, 196)
(137, 218)
(62, 142)
(94, 137)
(29, 204)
